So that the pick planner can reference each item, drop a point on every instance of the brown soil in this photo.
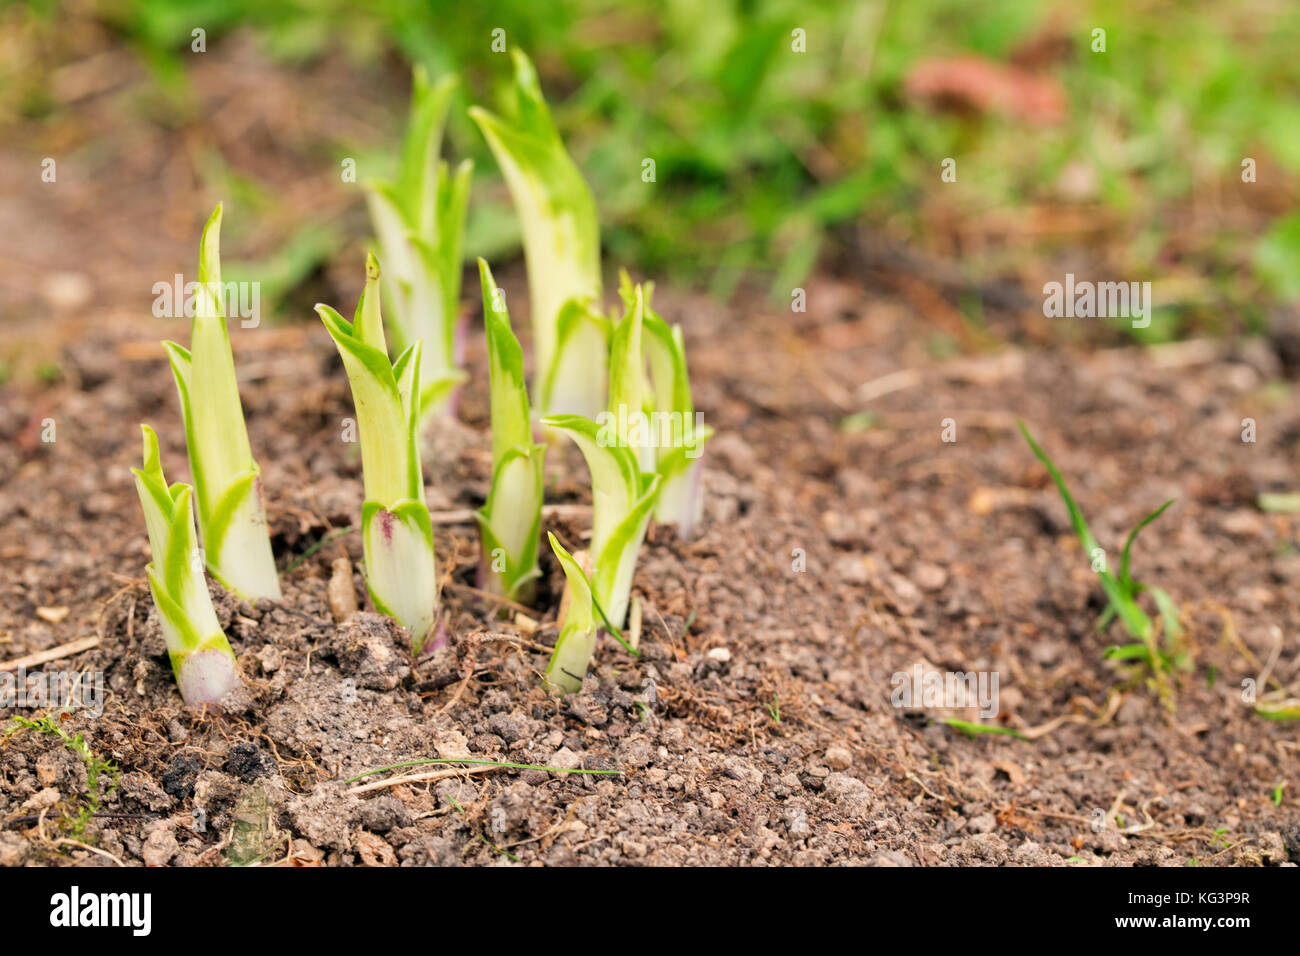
(757, 725)
(956, 554)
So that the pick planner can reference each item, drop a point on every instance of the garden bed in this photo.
(756, 727)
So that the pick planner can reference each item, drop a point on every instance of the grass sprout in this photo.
(1122, 591)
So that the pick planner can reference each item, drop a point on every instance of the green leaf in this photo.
(669, 378)
(420, 223)
(575, 383)
(155, 499)
(229, 505)
(975, 730)
(216, 437)
(615, 562)
(399, 258)
(511, 416)
(433, 394)
(452, 207)
(1127, 652)
(1283, 712)
(382, 425)
(417, 182)
(577, 641)
(511, 520)
(183, 635)
(560, 228)
(1285, 503)
(179, 549)
(1132, 535)
(1132, 616)
(615, 477)
(369, 327)
(680, 496)
(1169, 613)
(676, 460)
(216, 417)
(627, 362)
(189, 622)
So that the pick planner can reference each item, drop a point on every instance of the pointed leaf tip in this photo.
(151, 455)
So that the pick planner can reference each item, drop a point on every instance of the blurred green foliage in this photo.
(762, 153)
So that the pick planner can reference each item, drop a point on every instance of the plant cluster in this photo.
(603, 381)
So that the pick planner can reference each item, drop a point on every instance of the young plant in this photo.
(1122, 590)
(577, 640)
(396, 530)
(227, 481)
(510, 522)
(420, 222)
(623, 494)
(678, 439)
(622, 501)
(561, 246)
(201, 656)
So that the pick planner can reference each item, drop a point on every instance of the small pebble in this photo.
(838, 758)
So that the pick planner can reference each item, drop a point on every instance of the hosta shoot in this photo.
(578, 631)
(201, 656)
(396, 530)
(420, 222)
(678, 438)
(561, 237)
(625, 422)
(1122, 590)
(510, 521)
(623, 498)
(227, 481)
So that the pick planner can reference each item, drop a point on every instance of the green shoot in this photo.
(1280, 502)
(95, 766)
(227, 481)
(622, 501)
(974, 730)
(577, 640)
(677, 436)
(420, 223)
(1282, 711)
(623, 494)
(510, 522)
(1122, 590)
(201, 656)
(396, 529)
(561, 246)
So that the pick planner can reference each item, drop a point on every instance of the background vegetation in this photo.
(770, 162)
